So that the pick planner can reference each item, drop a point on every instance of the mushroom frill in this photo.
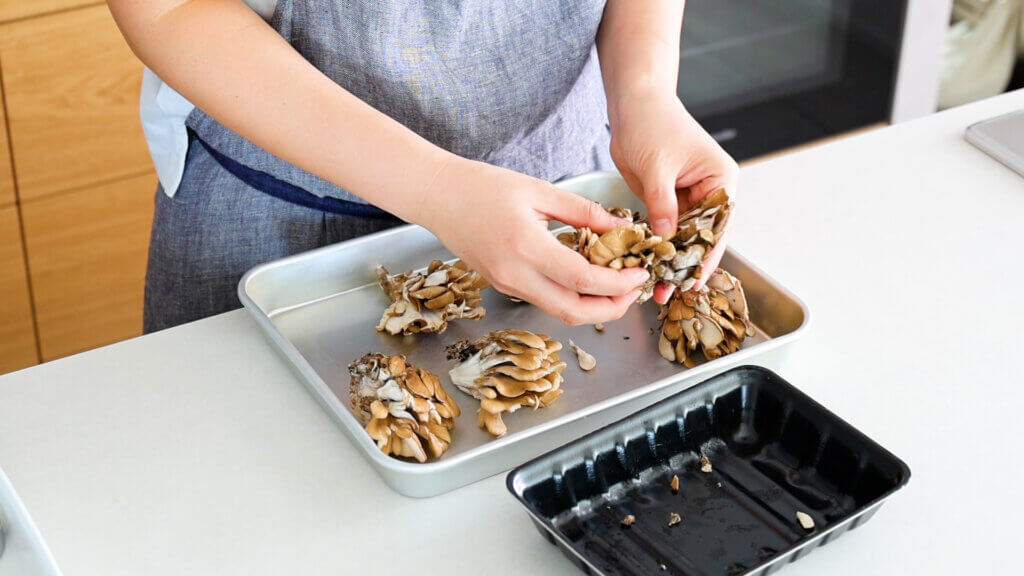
(674, 260)
(713, 320)
(406, 410)
(505, 370)
(426, 302)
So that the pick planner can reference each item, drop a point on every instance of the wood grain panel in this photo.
(11, 9)
(6, 178)
(17, 338)
(87, 259)
(72, 100)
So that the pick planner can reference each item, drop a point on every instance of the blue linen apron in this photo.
(516, 85)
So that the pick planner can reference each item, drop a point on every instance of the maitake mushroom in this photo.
(402, 406)
(427, 302)
(674, 260)
(713, 319)
(505, 370)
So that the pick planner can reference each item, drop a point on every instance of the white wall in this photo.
(917, 84)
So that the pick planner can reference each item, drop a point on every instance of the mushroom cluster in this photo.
(505, 370)
(674, 260)
(713, 320)
(405, 409)
(426, 302)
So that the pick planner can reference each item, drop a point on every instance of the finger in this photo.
(660, 197)
(663, 291)
(692, 195)
(574, 309)
(571, 270)
(579, 212)
(714, 258)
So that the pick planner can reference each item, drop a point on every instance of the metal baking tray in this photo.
(320, 310)
(773, 451)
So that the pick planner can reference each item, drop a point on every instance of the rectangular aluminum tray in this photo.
(320, 310)
(773, 452)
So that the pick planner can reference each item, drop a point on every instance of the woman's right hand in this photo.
(496, 220)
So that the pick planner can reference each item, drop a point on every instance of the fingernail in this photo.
(619, 222)
(662, 224)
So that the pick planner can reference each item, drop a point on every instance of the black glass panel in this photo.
(762, 75)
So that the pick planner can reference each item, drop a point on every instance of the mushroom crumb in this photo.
(599, 327)
(628, 520)
(705, 464)
(587, 362)
(674, 519)
(674, 484)
(805, 520)
(663, 567)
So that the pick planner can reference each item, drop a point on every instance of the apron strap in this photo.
(282, 190)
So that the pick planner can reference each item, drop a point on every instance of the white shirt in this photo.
(163, 112)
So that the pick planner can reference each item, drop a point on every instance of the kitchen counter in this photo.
(196, 450)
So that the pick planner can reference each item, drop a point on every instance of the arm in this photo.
(226, 60)
(656, 144)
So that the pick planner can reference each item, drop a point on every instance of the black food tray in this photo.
(773, 452)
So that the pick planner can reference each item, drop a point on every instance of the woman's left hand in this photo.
(670, 162)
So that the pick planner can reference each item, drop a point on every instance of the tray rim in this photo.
(696, 390)
(343, 415)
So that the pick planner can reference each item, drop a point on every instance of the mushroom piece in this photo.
(586, 361)
(713, 320)
(674, 260)
(427, 301)
(506, 370)
(405, 409)
(805, 520)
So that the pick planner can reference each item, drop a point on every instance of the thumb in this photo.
(578, 211)
(662, 205)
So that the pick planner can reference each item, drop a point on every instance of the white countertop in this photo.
(196, 451)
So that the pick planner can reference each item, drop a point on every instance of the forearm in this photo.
(638, 46)
(230, 63)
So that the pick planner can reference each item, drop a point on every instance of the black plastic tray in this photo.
(773, 450)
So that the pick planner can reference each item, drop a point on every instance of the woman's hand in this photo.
(497, 221)
(670, 162)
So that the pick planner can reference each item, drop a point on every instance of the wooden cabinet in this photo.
(12, 9)
(6, 177)
(87, 255)
(76, 182)
(72, 91)
(17, 338)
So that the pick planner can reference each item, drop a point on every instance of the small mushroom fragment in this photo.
(587, 362)
(705, 464)
(599, 327)
(427, 301)
(674, 260)
(674, 519)
(674, 484)
(805, 520)
(506, 370)
(714, 320)
(405, 409)
(628, 520)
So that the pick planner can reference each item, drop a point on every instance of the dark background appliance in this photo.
(763, 75)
